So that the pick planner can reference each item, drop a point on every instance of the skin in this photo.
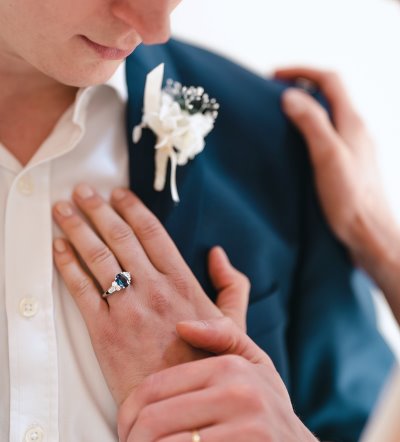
(42, 64)
(236, 412)
(43, 59)
(171, 369)
(347, 178)
(252, 402)
(133, 334)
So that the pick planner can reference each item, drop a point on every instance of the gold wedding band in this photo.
(196, 436)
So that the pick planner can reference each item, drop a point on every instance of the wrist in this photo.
(380, 257)
(375, 243)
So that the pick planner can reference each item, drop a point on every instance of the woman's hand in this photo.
(236, 396)
(343, 157)
(347, 177)
(133, 331)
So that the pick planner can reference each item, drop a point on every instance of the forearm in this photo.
(378, 252)
(386, 274)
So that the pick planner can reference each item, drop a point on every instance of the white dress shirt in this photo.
(51, 386)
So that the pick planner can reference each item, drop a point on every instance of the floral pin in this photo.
(181, 117)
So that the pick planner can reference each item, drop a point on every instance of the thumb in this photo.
(221, 336)
(313, 122)
(233, 287)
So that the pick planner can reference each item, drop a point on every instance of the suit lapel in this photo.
(180, 220)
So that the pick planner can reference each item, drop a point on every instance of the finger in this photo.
(173, 381)
(221, 336)
(232, 285)
(328, 82)
(79, 283)
(345, 116)
(96, 255)
(181, 413)
(311, 119)
(233, 431)
(154, 239)
(115, 232)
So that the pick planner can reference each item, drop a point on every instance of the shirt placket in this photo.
(30, 312)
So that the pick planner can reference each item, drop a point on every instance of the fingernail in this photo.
(293, 101)
(84, 191)
(118, 194)
(222, 252)
(64, 209)
(59, 245)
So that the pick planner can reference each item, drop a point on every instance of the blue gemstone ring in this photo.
(122, 281)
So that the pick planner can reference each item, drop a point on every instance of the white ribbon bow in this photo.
(180, 135)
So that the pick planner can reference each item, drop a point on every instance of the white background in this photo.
(358, 38)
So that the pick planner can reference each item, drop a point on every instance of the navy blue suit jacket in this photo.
(251, 192)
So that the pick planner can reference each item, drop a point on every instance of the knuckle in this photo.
(159, 300)
(120, 232)
(147, 417)
(181, 284)
(99, 254)
(246, 394)
(149, 227)
(81, 287)
(241, 393)
(232, 364)
(256, 401)
(228, 323)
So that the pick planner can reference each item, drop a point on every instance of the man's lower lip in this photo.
(105, 52)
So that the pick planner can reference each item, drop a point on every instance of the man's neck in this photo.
(31, 103)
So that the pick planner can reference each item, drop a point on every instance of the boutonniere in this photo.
(181, 117)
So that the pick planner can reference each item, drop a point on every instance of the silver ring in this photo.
(121, 281)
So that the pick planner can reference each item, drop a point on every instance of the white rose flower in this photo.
(179, 126)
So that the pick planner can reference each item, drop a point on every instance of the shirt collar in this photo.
(116, 82)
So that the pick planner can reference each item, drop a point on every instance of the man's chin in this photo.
(92, 75)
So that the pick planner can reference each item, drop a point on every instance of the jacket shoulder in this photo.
(250, 104)
(196, 62)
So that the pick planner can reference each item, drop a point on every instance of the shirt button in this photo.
(25, 185)
(28, 307)
(34, 434)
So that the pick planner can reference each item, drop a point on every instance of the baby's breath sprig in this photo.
(192, 99)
